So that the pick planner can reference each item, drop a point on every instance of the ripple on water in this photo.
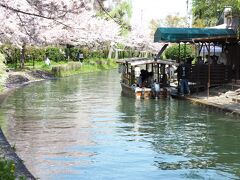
(81, 127)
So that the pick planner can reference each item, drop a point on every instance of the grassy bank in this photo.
(64, 68)
(73, 68)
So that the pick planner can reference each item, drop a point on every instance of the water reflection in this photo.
(185, 136)
(82, 128)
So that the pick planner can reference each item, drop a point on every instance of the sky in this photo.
(156, 9)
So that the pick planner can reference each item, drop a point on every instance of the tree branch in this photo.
(32, 14)
(23, 12)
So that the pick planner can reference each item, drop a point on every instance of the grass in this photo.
(89, 65)
(64, 68)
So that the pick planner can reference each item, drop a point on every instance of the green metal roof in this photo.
(188, 34)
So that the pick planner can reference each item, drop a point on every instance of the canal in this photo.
(81, 127)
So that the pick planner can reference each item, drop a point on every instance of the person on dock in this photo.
(183, 75)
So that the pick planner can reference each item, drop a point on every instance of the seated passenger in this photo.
(156, 88)
(200, 60)
(150, 79)
(222, 59)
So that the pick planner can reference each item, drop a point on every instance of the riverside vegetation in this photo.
(2, 72)
(64, 60)
(7, 169)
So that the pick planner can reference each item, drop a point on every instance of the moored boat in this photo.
(144, 78)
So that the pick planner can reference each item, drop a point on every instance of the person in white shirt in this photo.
(47, 61)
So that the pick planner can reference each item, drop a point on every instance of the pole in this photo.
(209, 68)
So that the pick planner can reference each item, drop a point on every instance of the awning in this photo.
(143, 61)
(188, 34)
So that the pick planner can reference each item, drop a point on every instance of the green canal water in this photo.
(81, 127)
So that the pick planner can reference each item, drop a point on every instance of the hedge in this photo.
(173, 52)
(59, 53)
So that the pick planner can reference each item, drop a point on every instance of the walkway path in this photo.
(226, 98)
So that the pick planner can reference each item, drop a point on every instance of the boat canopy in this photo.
(164, 34)
(142, 61)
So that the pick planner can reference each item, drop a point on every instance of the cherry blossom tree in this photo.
(42, 22)
(52, 22)
(140, 39)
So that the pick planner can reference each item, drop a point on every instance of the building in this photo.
(225, 35)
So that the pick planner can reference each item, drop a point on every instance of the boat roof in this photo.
(164, 34)
(142, 61)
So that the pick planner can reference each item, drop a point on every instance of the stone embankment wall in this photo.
(8, 153)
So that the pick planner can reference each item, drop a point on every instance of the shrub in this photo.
(12, 53)
(55, 54)
(38, 54)
(2, 71)
(87, 54)
(173, 52)
(73, 53)
(7, 169)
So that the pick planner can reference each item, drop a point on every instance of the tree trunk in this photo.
(110, 53)
(22, 58)
(116, 54)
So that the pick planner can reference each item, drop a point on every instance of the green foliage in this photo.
(175, 21)
(11, 53)
(87, 53)
(97, 54)
(122, 14)
(7, 169)
(58, 55)
(35, 53)
(71, 53)
(55, 54)
(208, 11)
(154, 24)
(185, 52)
(42, 66)
(2, 72)
(89, 65)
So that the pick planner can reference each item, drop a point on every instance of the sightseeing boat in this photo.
(144, 78)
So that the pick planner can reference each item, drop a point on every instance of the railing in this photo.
(126, 78)
(219, 74)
